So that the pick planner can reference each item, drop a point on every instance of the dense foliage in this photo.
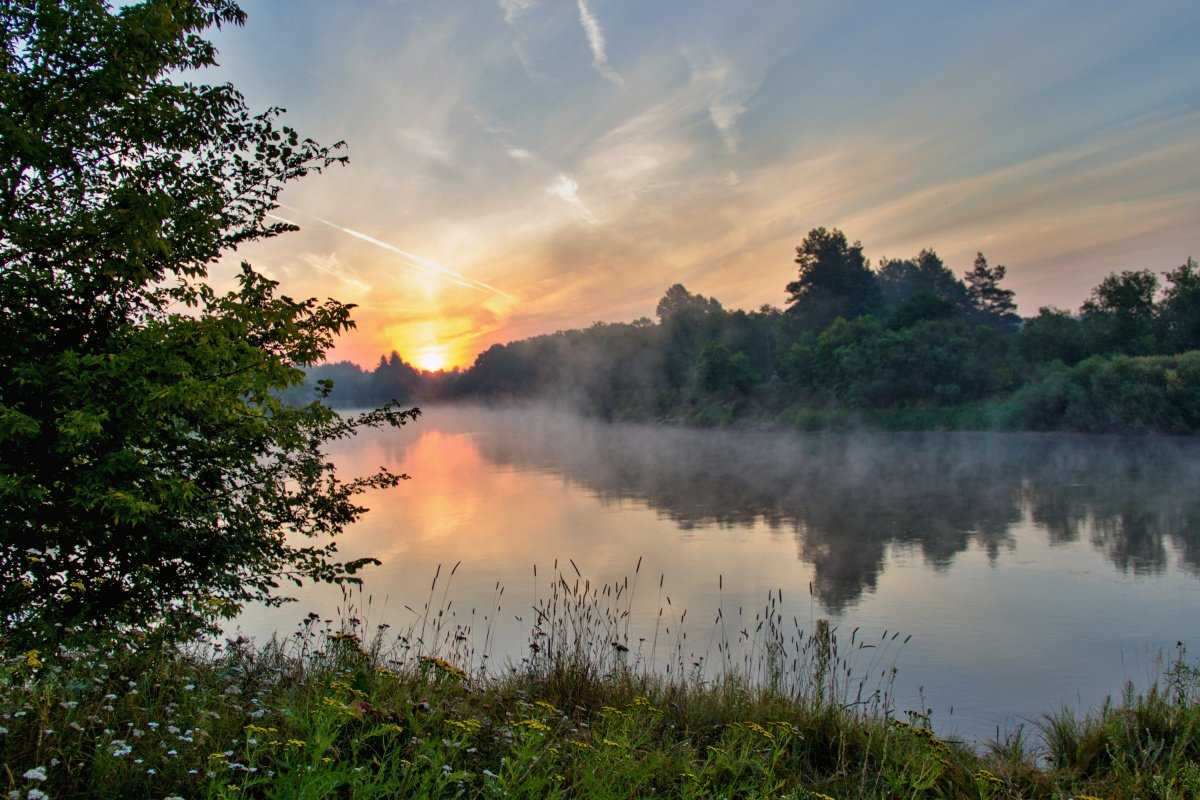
(147, 469)
(908, 341)
(322, 716)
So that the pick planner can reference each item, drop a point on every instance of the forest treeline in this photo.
(904, 343)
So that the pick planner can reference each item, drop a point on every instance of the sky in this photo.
(524, 166)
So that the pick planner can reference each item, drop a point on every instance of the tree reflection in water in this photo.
(851, 497)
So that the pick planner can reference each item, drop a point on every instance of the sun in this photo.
(431, 359)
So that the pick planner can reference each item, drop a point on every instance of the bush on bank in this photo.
(323, 716)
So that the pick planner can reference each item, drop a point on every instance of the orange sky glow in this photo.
(519, 167)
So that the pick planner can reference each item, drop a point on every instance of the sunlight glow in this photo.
(431, 359)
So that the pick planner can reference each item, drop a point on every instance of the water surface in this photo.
(1032, 571)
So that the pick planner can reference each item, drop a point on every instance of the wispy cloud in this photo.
(515, 8)
(595, 37)
(425, 144)
(727, 140)
(566, 188)
(331, 265)
(412, 258)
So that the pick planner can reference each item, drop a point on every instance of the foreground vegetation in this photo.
(321, 715)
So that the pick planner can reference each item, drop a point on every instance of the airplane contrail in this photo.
(412, 258)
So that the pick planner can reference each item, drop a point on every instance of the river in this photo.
(1031, 571)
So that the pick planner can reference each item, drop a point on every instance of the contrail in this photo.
(412, 258)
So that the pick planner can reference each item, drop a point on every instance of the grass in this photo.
(337, 711)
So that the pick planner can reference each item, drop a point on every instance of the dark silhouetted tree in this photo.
(994, 303)
(1120, 314)
(688, 320)
(1179, 311)
(834, 281)
(1053, 335)
(150, 476)
(924, 277)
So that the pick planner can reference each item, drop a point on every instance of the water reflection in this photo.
(850, 498)
(1032, 571)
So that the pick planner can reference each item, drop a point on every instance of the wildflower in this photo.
(3, 731)
(37, 794)
(33, 659)
(760, 730)
(152, 771)
(189, 687)
(487, 773)
(120, 748)
(152, 726)
(534, 725)
(36, 774)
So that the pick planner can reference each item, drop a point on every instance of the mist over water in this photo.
(1032, 571)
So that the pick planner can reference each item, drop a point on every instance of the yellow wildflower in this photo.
(466, 726)
(33, 659)
(534, 725)
(760, 730)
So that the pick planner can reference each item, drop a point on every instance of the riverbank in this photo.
(322, 714)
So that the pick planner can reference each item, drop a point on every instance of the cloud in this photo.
(519, 154)
(566, 188)
(425, 144)
(595, 37)
(413, 260)
(515, 8)
(330, 265)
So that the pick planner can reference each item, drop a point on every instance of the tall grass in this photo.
(763, 707)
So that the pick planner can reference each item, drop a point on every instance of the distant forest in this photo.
(905, 343)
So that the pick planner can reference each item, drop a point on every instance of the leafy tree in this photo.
(722, 371)
(923, 282)
(688, 320)
(148, 471)
(1120, 313)
(1053, 335)
(834, 281)
(1179, 311)
(995, 304)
